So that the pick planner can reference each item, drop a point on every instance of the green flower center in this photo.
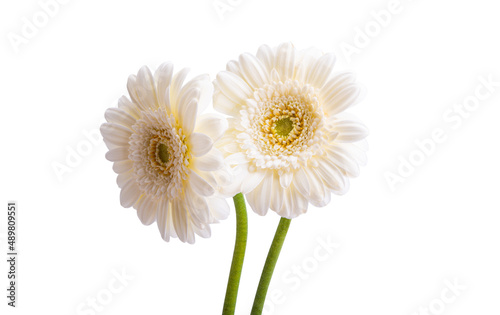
(283, 126)
(163, 153)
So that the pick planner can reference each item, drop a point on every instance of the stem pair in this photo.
(239, 255)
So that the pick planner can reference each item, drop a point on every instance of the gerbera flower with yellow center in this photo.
(288, 141)
(162, 150)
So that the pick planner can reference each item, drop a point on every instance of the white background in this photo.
(397, 247)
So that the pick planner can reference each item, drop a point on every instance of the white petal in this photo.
(200, 186)
(335, 86)
(119, 116)
(260, 198)
(277, 193)
(236, 159)
(129, 194)
(196, 83)
(170, 221)
(285, 60)
(126, 105)
(231, 190)
(275, 76)
(187, 115)
(199, 144)
(115, 134)
(305, 61)
(205, 88)
(342, 160)
(163, 77)
(322, 202)
(175, 89)
(342, 100)
(266, 56)
(198, 207)
(161, 220)
(234, 67)
(296, 204)
(224, 177)
(122, 166)
(239, 174)
(131, 87)
(209, 177)
(301, 204)
(190, 233)
(233, 87)
(224, 105)
(338, 83)
(286, 179)
(147, 84)
(287, 207)
(253, 71)
(233, 148)
(179, 218)
(300, 182)
(185, 97)
(164, 220)
(146, 210)
(141, 89)
(205, 232)
(212, 125)
(123, 178)
(252, 180)
(318, 190)
(357, 151)
(212, 161)
(332, 176)
(117, 154)
(228, 136)
(218, 207)
(350, 131)
(252, 198)
(321, 70)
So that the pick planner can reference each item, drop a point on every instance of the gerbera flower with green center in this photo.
(162, 149)
(288, 140)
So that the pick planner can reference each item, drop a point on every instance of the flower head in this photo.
(162, 150)
(288, 140)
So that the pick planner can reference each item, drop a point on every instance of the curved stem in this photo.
(238, 255)
(267, 272)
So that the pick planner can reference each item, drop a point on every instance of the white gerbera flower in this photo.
(287, 139)
(167, 166)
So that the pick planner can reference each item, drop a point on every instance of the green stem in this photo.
(238, 255)
(267, 272)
